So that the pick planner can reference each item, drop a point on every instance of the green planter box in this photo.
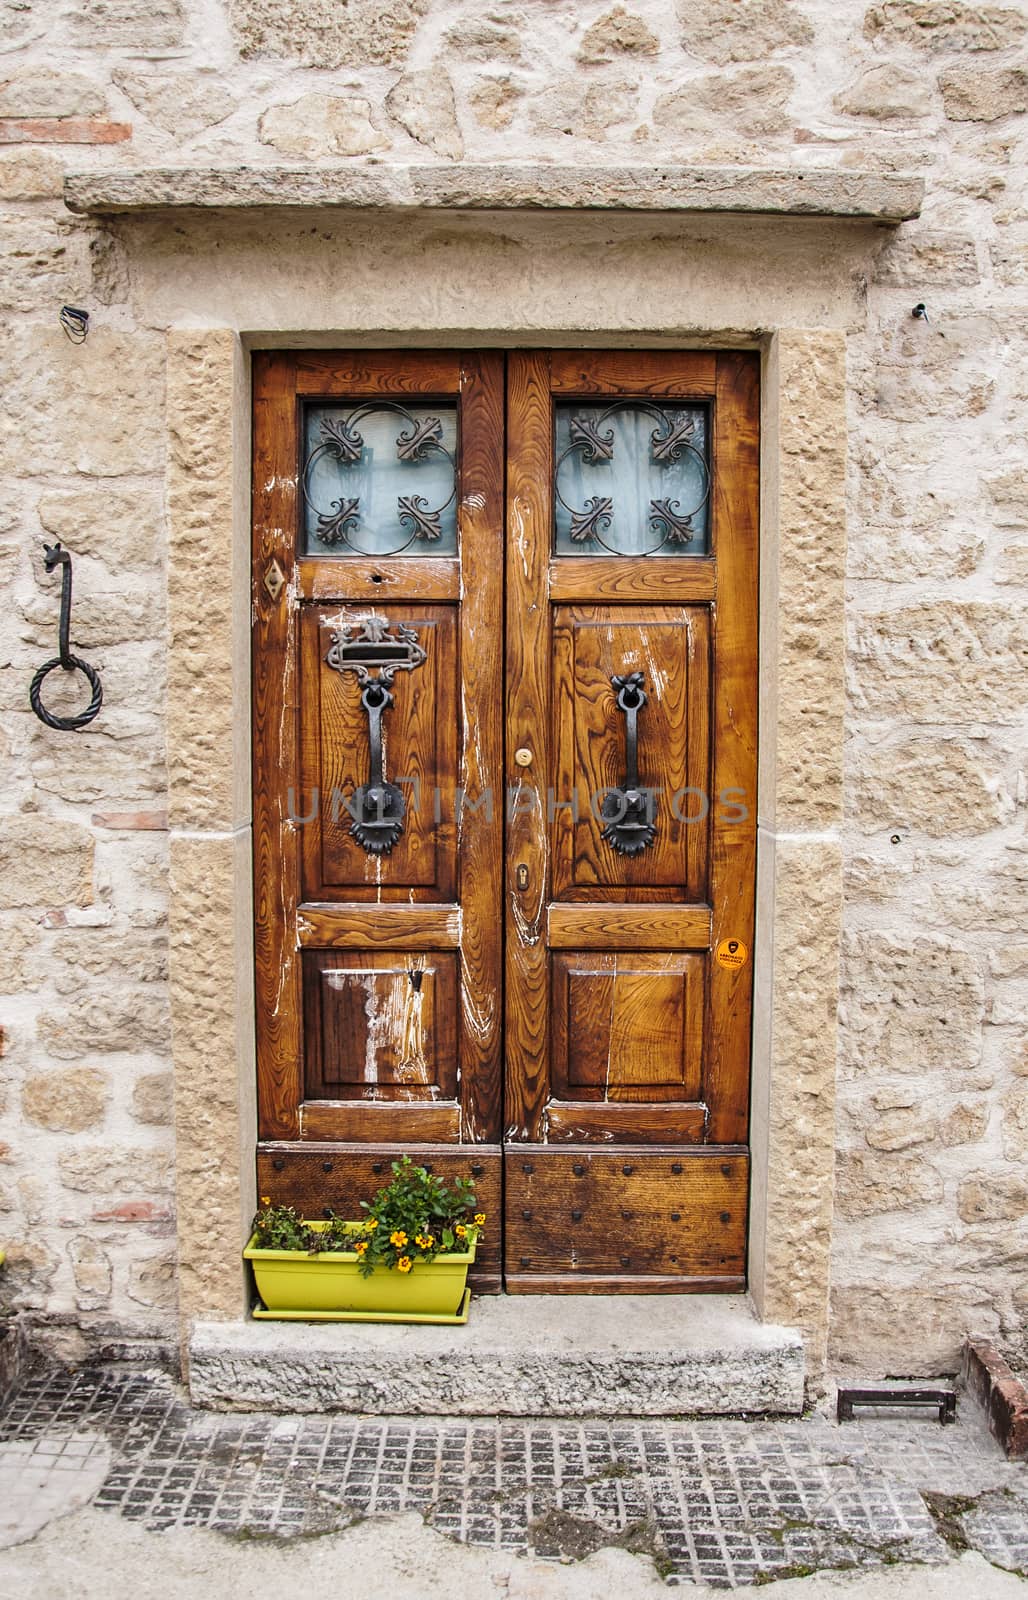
(295, 1286)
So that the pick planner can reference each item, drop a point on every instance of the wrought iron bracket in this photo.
(375, 654)
(55, 556)
(628, 810)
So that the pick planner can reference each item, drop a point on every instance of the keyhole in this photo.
(376, 577)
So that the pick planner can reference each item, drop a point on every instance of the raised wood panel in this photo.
(623, 1122)
(651, 581)
(627, 1027)
(385, 927)
(420, 735)
(375, 1122)
(380, 1026)
(336, 1177)
(399, 578)
(636, 927)
(684, 375)
(624, 1212)
(671, 646)
(364, 374)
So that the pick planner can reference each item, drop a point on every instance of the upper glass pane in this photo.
(632, 479)
(380, 479)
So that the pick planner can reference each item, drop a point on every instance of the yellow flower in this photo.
(460, 1230)
(404, 1264)
(369, 1227)
(424, 1241)
(479, 1218)
(265, 1199)
(399, 1239)
(361, 1246)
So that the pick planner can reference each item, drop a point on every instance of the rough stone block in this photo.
(952, 26)
(67, 1101)
(180, 103)
(423, 104)
(741, 30)
(57, 390)
(888, 93)
(910, 1005)
(752, 102)
(983, 95)
(1015, 1123)
(915, 1327)
(106, 1023)
(322, 125)
(901, 1128)
(965, 1124)
(153, 1283)
(126, 24)
(941, 787)
(116, 1169)
(927, 261)
(30, 175)
(1010, 261)
(488, 38)
(44, 862)
(121, 527)
(41, 262)
(519, 1355)
(153, 1099)
(576, 110)
(872, 1185)
(93, 1273)
(618, 32)
(41, 92)
(991, 1197)
(494, 101)
(947, 661)
(323, 34)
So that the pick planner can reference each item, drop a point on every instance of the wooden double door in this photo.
(504, 731)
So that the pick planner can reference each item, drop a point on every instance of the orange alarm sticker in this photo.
(731, 953)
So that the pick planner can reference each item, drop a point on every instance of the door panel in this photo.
(378, 952)
(631, 741)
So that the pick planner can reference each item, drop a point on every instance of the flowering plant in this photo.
(413, 1218)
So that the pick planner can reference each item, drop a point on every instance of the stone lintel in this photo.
(873, 197)
(518, 1355)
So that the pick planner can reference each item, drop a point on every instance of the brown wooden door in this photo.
(609, 851)
(628, 1037)
(378, 577)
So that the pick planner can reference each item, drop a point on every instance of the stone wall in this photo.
(933, 1074)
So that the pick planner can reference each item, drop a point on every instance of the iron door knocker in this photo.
(628, 810)
(375, 655)
(55, 556)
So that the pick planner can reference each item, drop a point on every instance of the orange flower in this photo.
(399, 1239)
(404, 1264)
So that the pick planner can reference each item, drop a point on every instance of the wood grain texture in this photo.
(337, 1176)
(619, 1122)
(275, 755)
(638, 927)
(642, 1283)
(373, 1122)
(682, 375)
(398, 578)
(420, 735)
(364, 374)
(380, 1025)
(689, 580)
(734, 844)
(529, 539)
(627, 1027)
(384, 927)
(625, 1212)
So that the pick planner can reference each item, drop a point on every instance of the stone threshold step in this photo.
(518, 1356)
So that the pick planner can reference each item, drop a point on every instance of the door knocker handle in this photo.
(375, 655)
(628, 810)
(55, 556)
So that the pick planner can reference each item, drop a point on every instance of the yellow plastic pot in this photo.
(290, 1281)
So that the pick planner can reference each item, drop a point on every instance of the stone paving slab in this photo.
(729, 1503)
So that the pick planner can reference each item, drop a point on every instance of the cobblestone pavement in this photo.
(726, 1502)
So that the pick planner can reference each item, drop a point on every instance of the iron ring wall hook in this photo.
(628, 810)
(55, 556)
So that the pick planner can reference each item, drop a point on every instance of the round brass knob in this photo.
(523, 757)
